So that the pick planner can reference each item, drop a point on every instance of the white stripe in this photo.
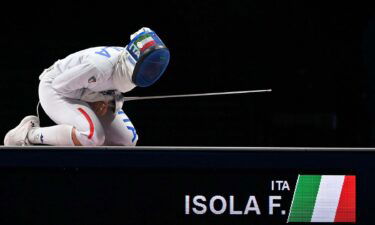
(144, 42)
(327, 199)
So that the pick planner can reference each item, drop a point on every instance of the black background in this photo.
(316, 56)
(148, 186)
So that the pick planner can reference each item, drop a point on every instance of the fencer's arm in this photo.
(74, 78)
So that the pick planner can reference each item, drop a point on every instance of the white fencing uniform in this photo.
(93, 75)
(62, 95)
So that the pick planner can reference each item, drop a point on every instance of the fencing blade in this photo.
(136, 98)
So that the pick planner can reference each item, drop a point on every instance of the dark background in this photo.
(148, 186)
(317, 57)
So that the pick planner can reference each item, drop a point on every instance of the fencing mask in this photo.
(149, 56)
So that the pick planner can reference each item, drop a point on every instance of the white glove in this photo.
(92, 96)
(143, 29)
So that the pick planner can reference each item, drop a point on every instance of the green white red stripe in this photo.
(144, 42)
(324, 198)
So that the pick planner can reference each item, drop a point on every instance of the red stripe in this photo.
(89, 120)
(346, 210)
(147, 45)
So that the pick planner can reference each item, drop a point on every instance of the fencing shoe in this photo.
(18, 135)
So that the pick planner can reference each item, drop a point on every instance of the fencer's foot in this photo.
(18, 135)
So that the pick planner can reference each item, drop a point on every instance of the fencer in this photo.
(76, 93)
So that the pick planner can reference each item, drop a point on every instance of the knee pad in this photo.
(87, 138)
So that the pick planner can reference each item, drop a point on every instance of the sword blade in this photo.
(136, 98)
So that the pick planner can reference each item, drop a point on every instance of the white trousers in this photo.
(93, 130)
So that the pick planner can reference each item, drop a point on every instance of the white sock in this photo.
(59, 135)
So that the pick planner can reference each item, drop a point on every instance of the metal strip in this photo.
(126, 99)
(194, 148)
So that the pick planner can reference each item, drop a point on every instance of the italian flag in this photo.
(144, 42)
(324, 198)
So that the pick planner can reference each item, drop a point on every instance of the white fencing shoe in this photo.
(18, 135)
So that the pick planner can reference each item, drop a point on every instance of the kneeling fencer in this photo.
(77, 92)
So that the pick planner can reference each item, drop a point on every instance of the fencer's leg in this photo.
(59, 135)
(119, 129)
(88, 128)
(28, 132)
(79, 126)
(77, 122)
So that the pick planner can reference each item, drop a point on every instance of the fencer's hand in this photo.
(100, 107)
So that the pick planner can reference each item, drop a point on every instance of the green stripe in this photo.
(141, 38)
(304, 198)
